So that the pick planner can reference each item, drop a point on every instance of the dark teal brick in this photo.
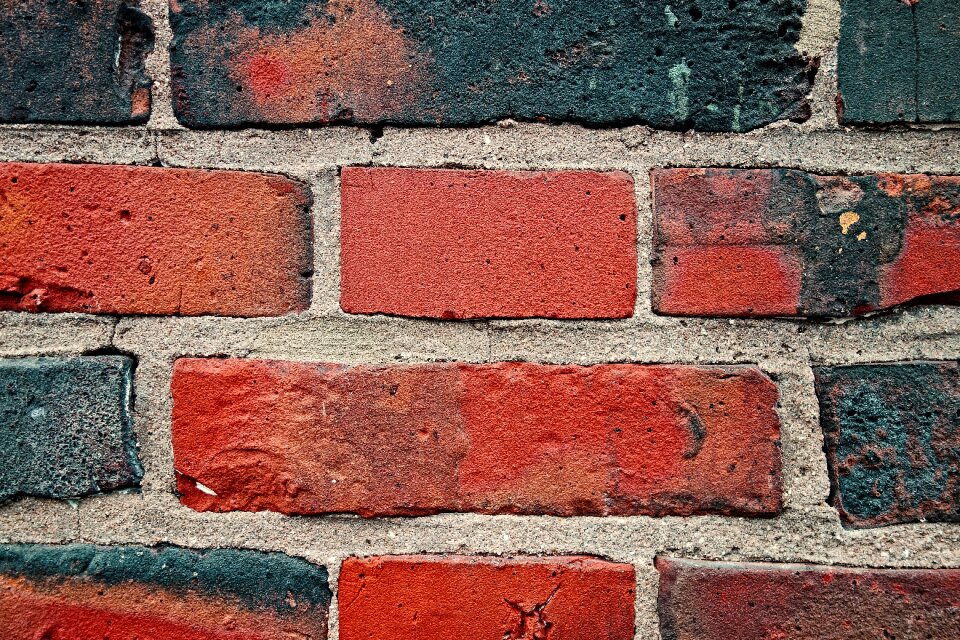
(899, 61)
(892, 439)
(74, 62)
(65, 427)
(717, 65)
(255, 579)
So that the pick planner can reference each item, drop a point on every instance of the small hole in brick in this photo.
(125, 214)
(696, 13)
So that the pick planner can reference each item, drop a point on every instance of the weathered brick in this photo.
(780, 242)
(65, 427)
(82, 592)
(710, 64)
(146, 240)
(74, 62)
(759, 601)
(892, 438)
(305, 438)
(472, 244)
(898, 61)
(439, 597)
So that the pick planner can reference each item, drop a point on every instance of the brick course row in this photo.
(669, 65)
(81, 592)
(524, 438)
(452, 244)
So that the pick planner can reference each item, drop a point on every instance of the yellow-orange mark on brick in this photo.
(847, 220)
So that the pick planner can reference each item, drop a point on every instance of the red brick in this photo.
(305, 438)
(474, 244)
(440, 597)
(733, 242)
(146, 240)
(752, 601)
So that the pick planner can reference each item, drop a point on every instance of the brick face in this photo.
(430, 62)
(143, 240)
(759, 601)
(472, 244)
(66, 427)
(760, 243)
(434, 597)
(891, 433)
(74, 62)
(82, 592)
(898, 61)
(504, 438)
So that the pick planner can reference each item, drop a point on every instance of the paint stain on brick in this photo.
(761, 601)
(80, 592)
(892, 441)
(145, 240)
(67, 427)
(507, 438)
(755, 243)
(74, 62)
(710, 64)
(438, 597)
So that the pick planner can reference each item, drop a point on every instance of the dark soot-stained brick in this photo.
(74, 62)
(65, 427)
(892, 438)
(714, 65)
(899, 61)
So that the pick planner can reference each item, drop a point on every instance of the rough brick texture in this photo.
(65, 427)
(74, 62)
(82, 592)
(711, 64)
(503, 438)
(892, 437)
(753, 601)
(439, 597)
(898, 61)
(144, 240)
(733, 242)
(472, 244)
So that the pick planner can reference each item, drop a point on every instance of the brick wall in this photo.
(533, 320)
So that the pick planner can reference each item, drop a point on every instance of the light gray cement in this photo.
(807, 531)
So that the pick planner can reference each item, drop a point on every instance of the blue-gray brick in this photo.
(65, 426)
